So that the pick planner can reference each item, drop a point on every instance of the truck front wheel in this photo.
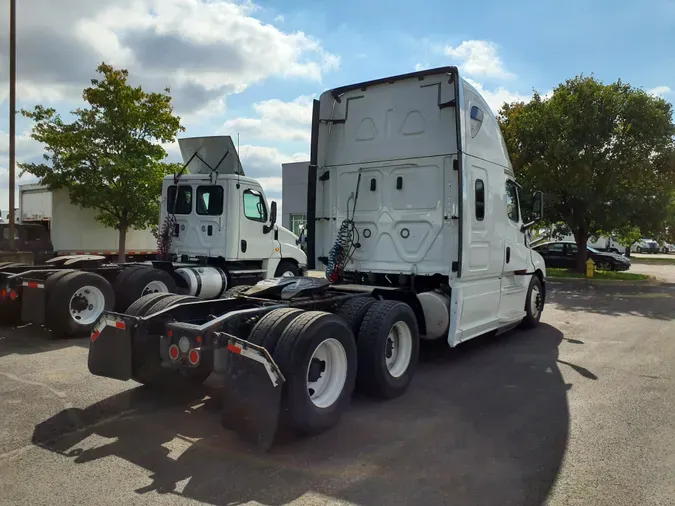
(534, 303)
(317, 355)
(287, 268)
(388, 344)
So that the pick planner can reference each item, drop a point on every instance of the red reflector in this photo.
(173, 351)
(234, 349)
(169, 333)
(32, 284)
(94, 335)
(521, 272)
(193, 356)
(4, 293)
(12, 295)
(199, 339)
(121, 325)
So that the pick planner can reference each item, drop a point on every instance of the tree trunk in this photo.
(122, 254)
(581, 237)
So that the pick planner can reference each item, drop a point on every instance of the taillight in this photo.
(174, 352)
(193, 357)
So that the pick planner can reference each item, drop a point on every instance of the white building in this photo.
(294, 195)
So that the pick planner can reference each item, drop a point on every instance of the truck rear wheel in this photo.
(140, 306)
(388, 345)
(269, 328)
(75, 301)
(147, 363)
(354, 310)
(134, 282)
(317, 355)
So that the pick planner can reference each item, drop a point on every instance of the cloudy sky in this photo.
(252, 68)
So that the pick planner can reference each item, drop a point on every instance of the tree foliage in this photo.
(602, 153)
(110, 158)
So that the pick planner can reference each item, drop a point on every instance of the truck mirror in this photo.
(273, 213)
(273, 218)
(538, 205)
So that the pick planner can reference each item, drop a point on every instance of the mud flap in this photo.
(110, 349)
(33, 301)
(252, 385)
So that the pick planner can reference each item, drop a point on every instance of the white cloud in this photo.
(659, 91)
(496, 97)
(277, 121)
(204, 51)
(421, 66)
(279, 19)
(480, 58)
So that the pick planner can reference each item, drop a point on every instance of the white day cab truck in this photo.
(217, 232)
(413, 211)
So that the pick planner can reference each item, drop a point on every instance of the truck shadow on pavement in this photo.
(486, 423)
(28, 339)
(649, 301)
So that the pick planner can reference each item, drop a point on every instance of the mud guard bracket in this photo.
(252, 386)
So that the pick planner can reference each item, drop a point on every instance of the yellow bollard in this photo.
(590, 268)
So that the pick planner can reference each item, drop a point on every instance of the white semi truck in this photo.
(413, 211)
(217, 231)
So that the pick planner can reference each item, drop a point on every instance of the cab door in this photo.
(516, 254)
(254, 220)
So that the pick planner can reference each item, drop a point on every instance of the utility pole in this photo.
(12, 120)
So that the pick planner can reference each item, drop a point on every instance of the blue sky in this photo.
(252, 67)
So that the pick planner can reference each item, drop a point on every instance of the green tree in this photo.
(110, 158)
(602, 153)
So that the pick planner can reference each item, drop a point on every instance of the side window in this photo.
(476, 120)
(571, 250)
(182, 202)
(512, 201)
(210, 200)
(480, 199)
(555, 248)
(254, 206)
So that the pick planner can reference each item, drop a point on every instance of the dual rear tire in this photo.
(370, 346)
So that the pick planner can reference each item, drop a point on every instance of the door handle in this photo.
(508, 254)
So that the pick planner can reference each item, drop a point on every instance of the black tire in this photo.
(293, 354)
(140, 306)
(286, 266)
(234, 291)
(131, 284)
(268, 329)
(58, 305)
(374, 377)
(606, 266)
(354, 310)
(147, 363)
(533, 315)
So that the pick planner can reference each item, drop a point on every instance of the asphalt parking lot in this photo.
(579, 411)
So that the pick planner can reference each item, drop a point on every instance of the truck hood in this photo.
(286, 236)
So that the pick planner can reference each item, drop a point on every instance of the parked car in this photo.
(667, 248)
(645, 246)
(563, 254)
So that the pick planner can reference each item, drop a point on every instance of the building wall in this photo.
(294, 194)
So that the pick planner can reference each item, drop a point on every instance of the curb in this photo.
(618, 282)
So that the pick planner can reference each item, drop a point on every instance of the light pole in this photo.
(12, 119)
